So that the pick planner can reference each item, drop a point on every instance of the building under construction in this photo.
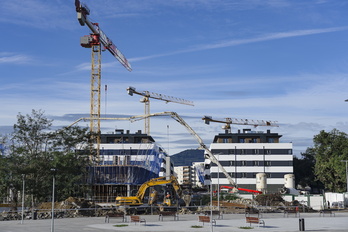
(126, 161)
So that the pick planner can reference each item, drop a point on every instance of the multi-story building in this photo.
(187, 175)
(245, 154)
(126, 161)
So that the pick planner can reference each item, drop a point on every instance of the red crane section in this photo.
(241, 189)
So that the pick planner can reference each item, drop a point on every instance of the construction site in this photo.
(131, 170)
(243, 172)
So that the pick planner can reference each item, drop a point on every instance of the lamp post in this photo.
(346, 161)
(211, 205)
(23, 177)
(218, 187)
(53, 183)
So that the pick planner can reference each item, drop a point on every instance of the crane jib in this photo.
(109, 45)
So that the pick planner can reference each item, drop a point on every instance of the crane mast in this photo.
(95, 41)
(146, 100)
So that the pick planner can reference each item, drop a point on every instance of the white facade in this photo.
(243, 161)
(187, 175)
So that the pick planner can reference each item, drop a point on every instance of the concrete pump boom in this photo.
(208, 154)
(180, 120)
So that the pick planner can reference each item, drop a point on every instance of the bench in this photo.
(254, 220)
(136, 219)
(326, 211)
(168, 213)
(206, 219)
(293, 211)
(214, 212)
(114, 215)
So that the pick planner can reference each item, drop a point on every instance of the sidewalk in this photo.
(230, 222)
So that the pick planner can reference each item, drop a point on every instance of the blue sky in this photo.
(277, 60)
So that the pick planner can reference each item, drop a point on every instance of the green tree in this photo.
(329, 149)
(304, 171)
(35, 149)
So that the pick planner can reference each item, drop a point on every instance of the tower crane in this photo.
(146, 100)
(95, 41)
(229, 121)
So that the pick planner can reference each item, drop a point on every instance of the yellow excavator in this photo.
(138, 199)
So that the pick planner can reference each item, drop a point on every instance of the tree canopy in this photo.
(330, 148)
(34, 150)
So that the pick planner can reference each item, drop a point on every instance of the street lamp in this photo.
(53, 170)
(218, 187)
(346, 168)
(211, 205)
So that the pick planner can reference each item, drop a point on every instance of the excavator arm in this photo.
(138, 199)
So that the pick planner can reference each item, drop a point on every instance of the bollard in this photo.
(35, 215)
(301, 224)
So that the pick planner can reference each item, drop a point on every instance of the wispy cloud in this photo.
(231, 43)
(10, 58)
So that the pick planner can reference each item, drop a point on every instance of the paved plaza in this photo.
(230, 222)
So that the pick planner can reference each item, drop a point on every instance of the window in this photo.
(256, 163)
(116, 160)
(232, 174)
(244, 163)
(225, 163)
(127, 160)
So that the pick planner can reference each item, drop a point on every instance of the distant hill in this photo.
(185, 158)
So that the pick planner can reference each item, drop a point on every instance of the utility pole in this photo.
(23, 190)
(53, 170)
(346, 171)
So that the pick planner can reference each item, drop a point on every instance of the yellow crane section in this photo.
(229, 121)
(95, 41)
(146, 100)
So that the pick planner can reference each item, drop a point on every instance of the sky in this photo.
(274, 60)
